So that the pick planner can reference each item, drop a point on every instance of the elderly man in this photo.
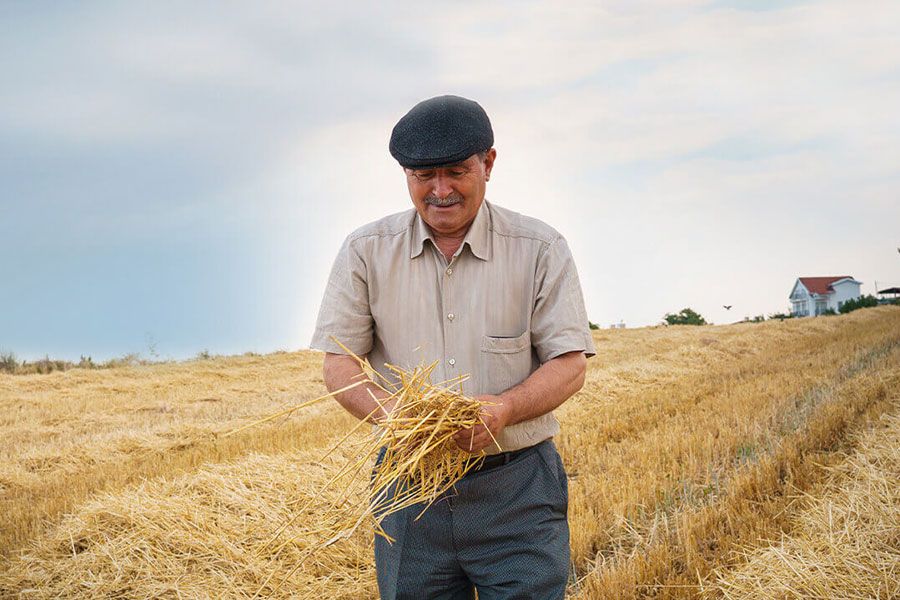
(489, 293)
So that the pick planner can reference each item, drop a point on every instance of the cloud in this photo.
(690, 151)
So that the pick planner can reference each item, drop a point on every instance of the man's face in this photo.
(448, 198)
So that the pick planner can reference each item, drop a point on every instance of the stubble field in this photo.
(740, 461)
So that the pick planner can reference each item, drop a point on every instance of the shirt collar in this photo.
(478, 238)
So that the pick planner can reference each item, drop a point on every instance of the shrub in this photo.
(43, 366)
(128, 360)
(687, 316)
(593, 325)
(864, 301)
(8, 362)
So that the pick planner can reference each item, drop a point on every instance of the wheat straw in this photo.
(419, 459)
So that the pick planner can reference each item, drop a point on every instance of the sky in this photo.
(178, 177)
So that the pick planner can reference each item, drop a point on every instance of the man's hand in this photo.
(495, 416)
(543, 391)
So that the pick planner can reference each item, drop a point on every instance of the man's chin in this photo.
(444, 213)
(444, 222)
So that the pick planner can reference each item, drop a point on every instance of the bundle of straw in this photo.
(419, 460)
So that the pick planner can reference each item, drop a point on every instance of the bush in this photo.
(864, 301)
(687, 316)
(128, 360)
(781, 316)
(43, 366)
(8, 362)
(593, 325)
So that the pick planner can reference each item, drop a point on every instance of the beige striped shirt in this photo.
(508, 301)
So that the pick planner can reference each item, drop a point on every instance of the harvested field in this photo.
(845, 542)
(689, 450)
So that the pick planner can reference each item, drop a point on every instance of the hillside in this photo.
(687, 450)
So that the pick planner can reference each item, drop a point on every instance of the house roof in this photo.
(821, 285)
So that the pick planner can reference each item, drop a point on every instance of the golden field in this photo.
(701, 461)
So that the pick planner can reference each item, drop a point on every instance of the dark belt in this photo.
(498, 460)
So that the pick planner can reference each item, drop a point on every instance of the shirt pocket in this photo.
(505, 361)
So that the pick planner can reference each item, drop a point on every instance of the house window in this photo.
(821, 305)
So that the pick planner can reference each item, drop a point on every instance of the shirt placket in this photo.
(449, 316)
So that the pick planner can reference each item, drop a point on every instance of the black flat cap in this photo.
(441, 131)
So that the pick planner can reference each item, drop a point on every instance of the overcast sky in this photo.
(179, 176)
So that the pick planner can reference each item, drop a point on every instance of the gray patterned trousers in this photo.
(503, 531)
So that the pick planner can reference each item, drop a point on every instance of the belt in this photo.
(497, 460)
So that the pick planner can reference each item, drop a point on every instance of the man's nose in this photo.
(442, 187)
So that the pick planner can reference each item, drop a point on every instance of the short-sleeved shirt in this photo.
(508, 301)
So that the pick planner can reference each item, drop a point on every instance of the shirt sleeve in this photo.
(559, 322)
(345, 313)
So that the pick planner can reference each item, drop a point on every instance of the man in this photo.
(489, 293)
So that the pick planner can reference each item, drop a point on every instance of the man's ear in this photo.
(489, 157)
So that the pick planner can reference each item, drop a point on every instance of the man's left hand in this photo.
(494, 416)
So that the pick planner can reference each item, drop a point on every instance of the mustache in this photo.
(452, 198)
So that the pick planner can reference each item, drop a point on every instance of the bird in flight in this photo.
(727, 306)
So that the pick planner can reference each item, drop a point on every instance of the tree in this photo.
(687, 316)
(865, 301)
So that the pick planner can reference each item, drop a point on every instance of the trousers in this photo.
(503, 531)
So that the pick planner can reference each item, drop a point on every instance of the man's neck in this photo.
(449, 244)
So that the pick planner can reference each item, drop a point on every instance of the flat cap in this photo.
(441, 131)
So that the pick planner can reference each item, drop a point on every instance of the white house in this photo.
(812, 296)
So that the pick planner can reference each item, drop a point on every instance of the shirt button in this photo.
(451, 362)
(449, 270)
(451, 316)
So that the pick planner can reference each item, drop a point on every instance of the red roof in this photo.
(821, 285)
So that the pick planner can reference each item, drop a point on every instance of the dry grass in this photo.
(671, 550)
(845, 541)
(67, 435)
(685, 445)
(165, 539)
(419, 461)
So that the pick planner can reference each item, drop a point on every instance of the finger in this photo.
(462, 436)
(469, 440)
(463, 444)
(478, 443)
(486, 441)
(465, 434)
